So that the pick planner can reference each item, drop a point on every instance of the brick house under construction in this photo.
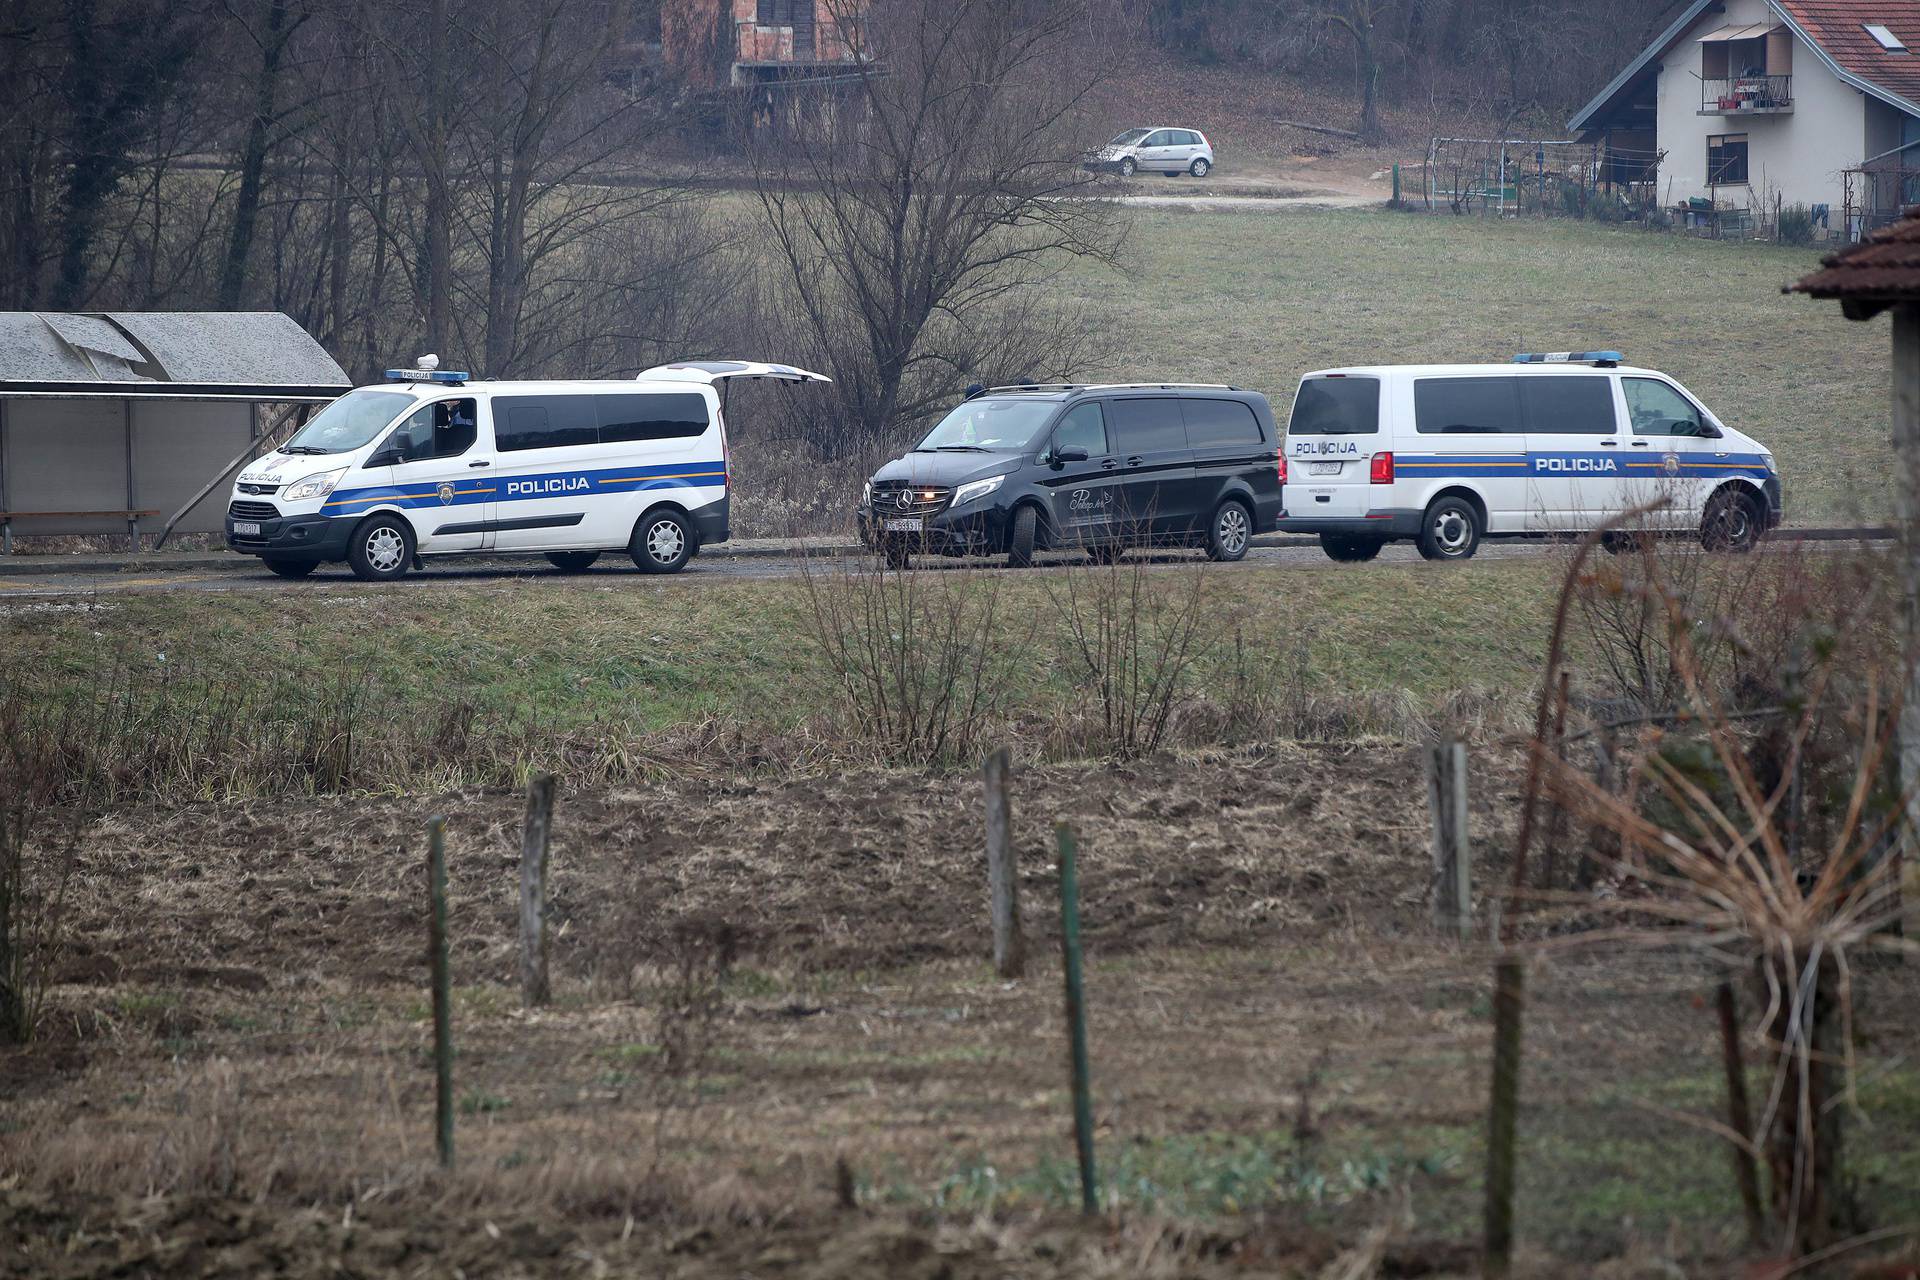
(752, 44)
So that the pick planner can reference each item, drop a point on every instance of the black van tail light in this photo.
(1381, 472)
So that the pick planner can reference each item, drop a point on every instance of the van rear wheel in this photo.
(1348, 549)
(663, 542)
(1450, 530)
(572, 561)
(1230, 532)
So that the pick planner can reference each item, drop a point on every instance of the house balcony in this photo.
(1747, 96)
(790, 43)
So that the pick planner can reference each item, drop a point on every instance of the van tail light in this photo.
(1381, 472)
(1283, 468)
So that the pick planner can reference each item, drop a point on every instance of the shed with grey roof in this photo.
(125, 421)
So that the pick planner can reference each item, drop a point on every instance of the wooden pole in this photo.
(442, 994)
(1906, 453)
(1003, 881)
(1452, 859)
(535, 988)
(1503, 1116)
(1746, 1170)
(1077, 1018)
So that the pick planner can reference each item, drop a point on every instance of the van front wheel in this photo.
(1450, 530)
(1023, 537)
(1731, 523)
(662, 542)
(381, 549)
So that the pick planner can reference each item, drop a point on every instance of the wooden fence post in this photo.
(1003, 881)
(442, 994)
(1452, 856)
(1077, 1017)
(1503, 1116)
(535, 987)
(1746, 1170)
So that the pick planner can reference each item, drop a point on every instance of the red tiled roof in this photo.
(1839, 27)
(1884, 268)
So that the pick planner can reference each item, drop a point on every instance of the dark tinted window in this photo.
(1336, 407)
(1568, 406)
(441, 430)
(1444, 406)
(1083, 428)
(670, 416)
(1147, 426)
(543, 422)
(1215, 422)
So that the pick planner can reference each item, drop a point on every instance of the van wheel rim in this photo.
(1451, 531)
(664, 542)
(1233, 530)
(386, 550)
(1736, 525)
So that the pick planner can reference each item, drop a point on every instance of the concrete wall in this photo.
(1799, 155)
(71, 455)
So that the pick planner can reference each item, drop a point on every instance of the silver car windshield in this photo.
(348, 423)
(989, 425)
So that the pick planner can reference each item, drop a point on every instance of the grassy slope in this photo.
(619, 657)
(1259, 298)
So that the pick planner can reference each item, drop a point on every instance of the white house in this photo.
(1815, 102)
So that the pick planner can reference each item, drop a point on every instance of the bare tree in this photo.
(916, 217)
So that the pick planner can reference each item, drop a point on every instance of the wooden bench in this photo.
(8, 517)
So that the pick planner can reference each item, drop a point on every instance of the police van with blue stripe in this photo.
(432, 463)
(1447, 455)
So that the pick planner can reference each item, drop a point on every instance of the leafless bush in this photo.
(1131, 647)
(915, 658)
(1762, 832)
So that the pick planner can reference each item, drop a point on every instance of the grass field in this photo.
(1258, 298)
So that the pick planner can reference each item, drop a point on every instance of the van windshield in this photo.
(1128, 138)
(989, 426)
(348, 423)
(1339, 406)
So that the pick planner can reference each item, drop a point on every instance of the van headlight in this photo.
(318, 485)
(866, 494)
(976, 489)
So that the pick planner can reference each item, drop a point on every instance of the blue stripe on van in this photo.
(1595, 463)
(547, 484)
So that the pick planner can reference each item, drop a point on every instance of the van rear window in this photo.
(1336, 407)
(1217, 422)
(675, 415)
(1471, 406)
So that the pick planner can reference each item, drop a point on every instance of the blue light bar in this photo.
(453, 376)
(1603, 359)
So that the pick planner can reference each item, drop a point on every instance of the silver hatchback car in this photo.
(1169, 151)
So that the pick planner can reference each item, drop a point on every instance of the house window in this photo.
(1888, 41)
(1726, 159)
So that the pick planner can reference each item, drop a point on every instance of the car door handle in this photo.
(1639, 444)
(1609, 444)
(1135, 461)
(1108, 464)
(479, 464)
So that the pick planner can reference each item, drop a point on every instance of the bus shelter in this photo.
(126, 422)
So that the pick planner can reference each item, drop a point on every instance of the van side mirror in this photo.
(1070, 453)
(1709, 432)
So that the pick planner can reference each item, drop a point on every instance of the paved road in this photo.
(249, 576)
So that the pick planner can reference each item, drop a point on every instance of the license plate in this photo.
(246, 526)
(1323, 468)
(906, 524)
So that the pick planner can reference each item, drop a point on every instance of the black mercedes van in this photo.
(1015, 470)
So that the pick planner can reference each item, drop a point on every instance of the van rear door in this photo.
(1331, 439)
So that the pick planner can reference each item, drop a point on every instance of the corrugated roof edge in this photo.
(1880, 271)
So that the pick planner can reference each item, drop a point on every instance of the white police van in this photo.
(431, 463)
(1446, 455)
